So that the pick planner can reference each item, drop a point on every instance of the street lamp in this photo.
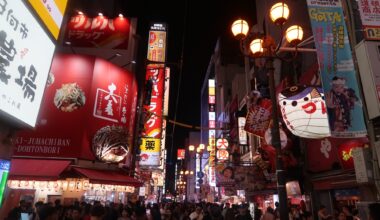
(265, 47)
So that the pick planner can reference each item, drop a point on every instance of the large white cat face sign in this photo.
(304, 111)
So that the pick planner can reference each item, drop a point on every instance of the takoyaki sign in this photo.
(85, 113)
(25, 56)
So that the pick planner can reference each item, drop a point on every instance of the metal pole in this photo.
(280, 172)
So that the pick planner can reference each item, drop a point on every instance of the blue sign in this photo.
(343, 101)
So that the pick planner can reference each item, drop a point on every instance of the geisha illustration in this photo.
(340, 101)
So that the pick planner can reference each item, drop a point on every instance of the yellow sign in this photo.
(372, 33)
(211, 91)
(150, 145)
(51, 13)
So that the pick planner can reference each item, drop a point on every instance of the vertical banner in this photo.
(212, 132)
(339, 82)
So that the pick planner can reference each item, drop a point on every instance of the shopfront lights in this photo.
(191, 148)
(279, 13)
(202, 146)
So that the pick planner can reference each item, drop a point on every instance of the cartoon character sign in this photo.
(340, 102)
(303, 110)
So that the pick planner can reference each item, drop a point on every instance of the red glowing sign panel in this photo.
(79, 91)
(181, 154)
(153, 124)
(211, 99)
(98, 32)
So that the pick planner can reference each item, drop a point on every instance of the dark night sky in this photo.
(200, 23)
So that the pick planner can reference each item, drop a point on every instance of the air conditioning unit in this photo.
(368, 57)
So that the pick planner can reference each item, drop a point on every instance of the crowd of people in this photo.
(170, 211)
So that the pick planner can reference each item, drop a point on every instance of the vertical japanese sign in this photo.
(150, 152)
(340, 86)
(4, 172)
(51, 13)
(156, 74)
(370, 16)
(212, 132)
(157, 42)
(243, 140)
(25, 57)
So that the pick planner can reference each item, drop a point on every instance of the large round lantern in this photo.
(303, 110)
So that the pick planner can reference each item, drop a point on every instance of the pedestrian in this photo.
(257, 212)
(277, 210)
(48, 212)
(322, 213)
(269, 214)
(243, 213)
(197, 214)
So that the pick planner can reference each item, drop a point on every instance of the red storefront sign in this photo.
(79, 102)
(153, 124)
(181, 154)
(100, 31)
(331, 153)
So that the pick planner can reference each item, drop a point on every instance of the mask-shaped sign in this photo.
(303, 110)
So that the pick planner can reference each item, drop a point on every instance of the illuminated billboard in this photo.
(25, 58)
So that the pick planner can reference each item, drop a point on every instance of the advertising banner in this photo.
(79, 91)
(51, 13)
(157, 43)
(258, 118)
(100, 32)
(150, 152)
(111, 101)
(344, 105)
(233, 178)
(370, 17)
(25, 58)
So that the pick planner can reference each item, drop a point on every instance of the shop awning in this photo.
(108, 177)
(34, 169)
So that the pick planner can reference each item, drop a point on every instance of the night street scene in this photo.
(190, 110)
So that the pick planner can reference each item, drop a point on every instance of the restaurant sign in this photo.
(25, 58)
